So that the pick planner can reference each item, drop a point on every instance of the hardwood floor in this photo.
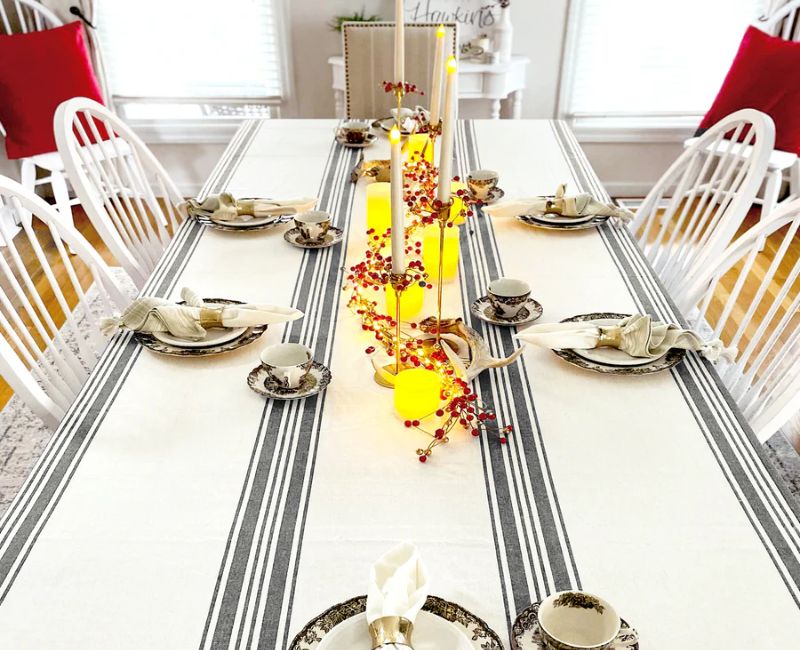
(28, 256)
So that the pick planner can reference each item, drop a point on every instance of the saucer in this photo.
(483, 309)
(494, 196)
(371, 137)
(386, 125)
(314, 382)
(333, 237)
(525, 634)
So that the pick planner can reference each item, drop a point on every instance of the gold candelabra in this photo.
(442, 219)
(399, 283)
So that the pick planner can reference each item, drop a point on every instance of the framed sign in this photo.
(474, 17)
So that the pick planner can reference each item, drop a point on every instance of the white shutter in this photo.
(192, 49)
(650, 58)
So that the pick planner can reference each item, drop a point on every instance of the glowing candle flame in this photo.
(394, 134)
(451, 65)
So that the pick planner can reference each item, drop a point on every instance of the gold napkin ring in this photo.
(210, 317)
(610, 337)
(391, 630)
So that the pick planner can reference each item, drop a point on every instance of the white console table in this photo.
(492, 81)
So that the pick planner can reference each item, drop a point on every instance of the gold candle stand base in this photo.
(443, 218)
(398, 282)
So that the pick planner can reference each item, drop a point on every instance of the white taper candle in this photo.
(398, 209)
(399, 43)
(448, 132)
(438, 75)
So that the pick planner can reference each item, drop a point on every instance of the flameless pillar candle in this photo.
(411, 301)
(416, 144)
(438, 75)
(399, 43)
(448, 133)
(416, 393)
(398, 211)
(379, 209)
(430, 250)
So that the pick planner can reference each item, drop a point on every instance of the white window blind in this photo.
(192, 49)
(651, 58)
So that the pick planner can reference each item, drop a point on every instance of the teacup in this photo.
(576, 620)
(482, 183)
(354, 132)
(508, 296)
(405, 113)
(287, 363)
(313, 225)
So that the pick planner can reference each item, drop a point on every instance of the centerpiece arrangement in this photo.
(429, 363)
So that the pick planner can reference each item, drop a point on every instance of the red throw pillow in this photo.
(38, 71)
(765, 75)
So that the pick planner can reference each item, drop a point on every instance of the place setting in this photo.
(482, 186)
(194, 326)
(355, 134)
(397, 612)
(622, 344)
(561, 212)
(507, 303)
(225, 212)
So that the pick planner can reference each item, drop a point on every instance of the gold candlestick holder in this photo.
(399, 93)
(442, 219)
(434, 131)
(399, 283)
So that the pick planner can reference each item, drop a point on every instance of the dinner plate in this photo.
(613, 356)
(387, 123)
(430, 633)
(251, 223)
(214, 336)
(478, 634)
(537, 222)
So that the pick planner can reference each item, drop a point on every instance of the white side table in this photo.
(492, 81)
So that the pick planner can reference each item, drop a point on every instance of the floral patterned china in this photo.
(483, 309)
(576, 223)
(526, 634)
(315, 381)
(332, 237)
(254, 224)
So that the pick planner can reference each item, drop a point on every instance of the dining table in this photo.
(176, 508)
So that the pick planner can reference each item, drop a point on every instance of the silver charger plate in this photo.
(317, 380)
(249, 335)
(475, 629)
(262, 223)
(669, 360)
(525, 633)
(334, 236)
(370, 140)
(537, 222)
(484, 310)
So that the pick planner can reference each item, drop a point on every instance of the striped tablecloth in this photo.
(174, 508)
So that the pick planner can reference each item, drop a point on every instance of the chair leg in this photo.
(61, 196)
(772, 190)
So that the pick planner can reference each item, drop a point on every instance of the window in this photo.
(639, 64)
(192, 59)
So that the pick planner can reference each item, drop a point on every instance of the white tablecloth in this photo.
(175, 508)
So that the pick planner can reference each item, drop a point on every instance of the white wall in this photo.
(626, 169)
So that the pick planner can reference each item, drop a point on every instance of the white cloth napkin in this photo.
(149, 314)
(638, 335)
(224, 207)
(580, 205)
(398, 584)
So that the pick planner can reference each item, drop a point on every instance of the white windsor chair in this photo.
(129, 197)
(29, 16)
(759, 315)
(369, 60)
(48, 348)
(784, 166)
(708, 190)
